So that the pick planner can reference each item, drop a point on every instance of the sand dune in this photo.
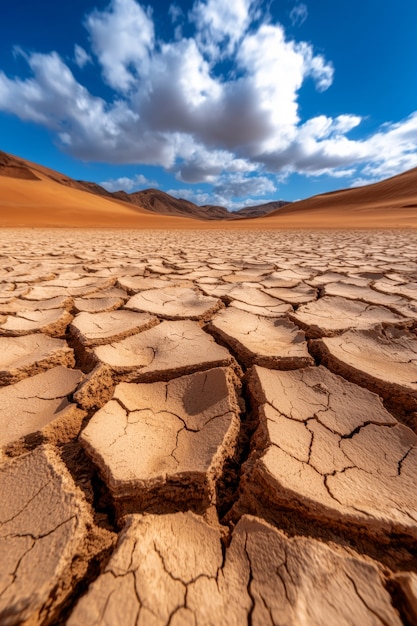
(391, 203)
(35, 196)
(45, 202)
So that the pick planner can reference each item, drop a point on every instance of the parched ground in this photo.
(203, 428)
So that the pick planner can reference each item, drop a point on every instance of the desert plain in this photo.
(208, 427)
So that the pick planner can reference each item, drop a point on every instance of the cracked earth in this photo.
(204, 428)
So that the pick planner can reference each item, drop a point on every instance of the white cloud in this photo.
(298, 14)
(276, 70)
(393, 149)
(201, 198)
(86, 125)
(361, 182)
(171, 108)
(198, 196)
(231, 190)
(128, 184)
(122, 37)
(316, 66)
(240, 186)
(198, 164)
(175, 12)
(81, 57)
(177, 102)
(341, 173)
(221, 24)
(319, 147)
(52, 97)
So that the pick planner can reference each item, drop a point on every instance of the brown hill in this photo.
(390, 203)
(14, 168)
(162, 203)
(260, 210)
(34, 196)
(152, 200)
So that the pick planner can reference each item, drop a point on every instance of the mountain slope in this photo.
(162, 203)
(152, 200)
(390, 202)
(35, 196)
(260, 210)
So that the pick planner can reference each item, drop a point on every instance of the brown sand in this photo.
(207, 427)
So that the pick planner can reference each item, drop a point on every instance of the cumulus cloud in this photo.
(232, 190)
(221, 25)
(361, 182)
(298, 14)
(393, 149)
(198, 196)
(172, 107)
(122, 37)
(217, 198)
(241, 186)
(175, 12)
(81, 57)
(198, 164)
(86, 125)
(128, 184)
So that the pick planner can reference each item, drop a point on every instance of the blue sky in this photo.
(231, 102)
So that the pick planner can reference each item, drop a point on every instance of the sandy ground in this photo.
(208, 427)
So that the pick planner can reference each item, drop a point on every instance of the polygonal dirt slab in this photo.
(100, 301)
(166, 441)
(331, 450)
(20, 304)
(78, 285)
(133, 284)
(256, 298)
(247, 298)
(276, 281)
(49, 289)
(112, 292)
(408, 290)
(51, 322)
(169, 569)
(406, 588)
(330, 316)
(366, 294)
(383, 359)
(29, 355)
(8, 293)
(295, 295)
(42, 292)
(167, 350)
(43, 526)
(34, 403)
(296, 582)
(216, 290)
(298, 273)
(275, 343)
(93, 329)
(97, 305)
(325, 278)
(174, 303)
(245, 276)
